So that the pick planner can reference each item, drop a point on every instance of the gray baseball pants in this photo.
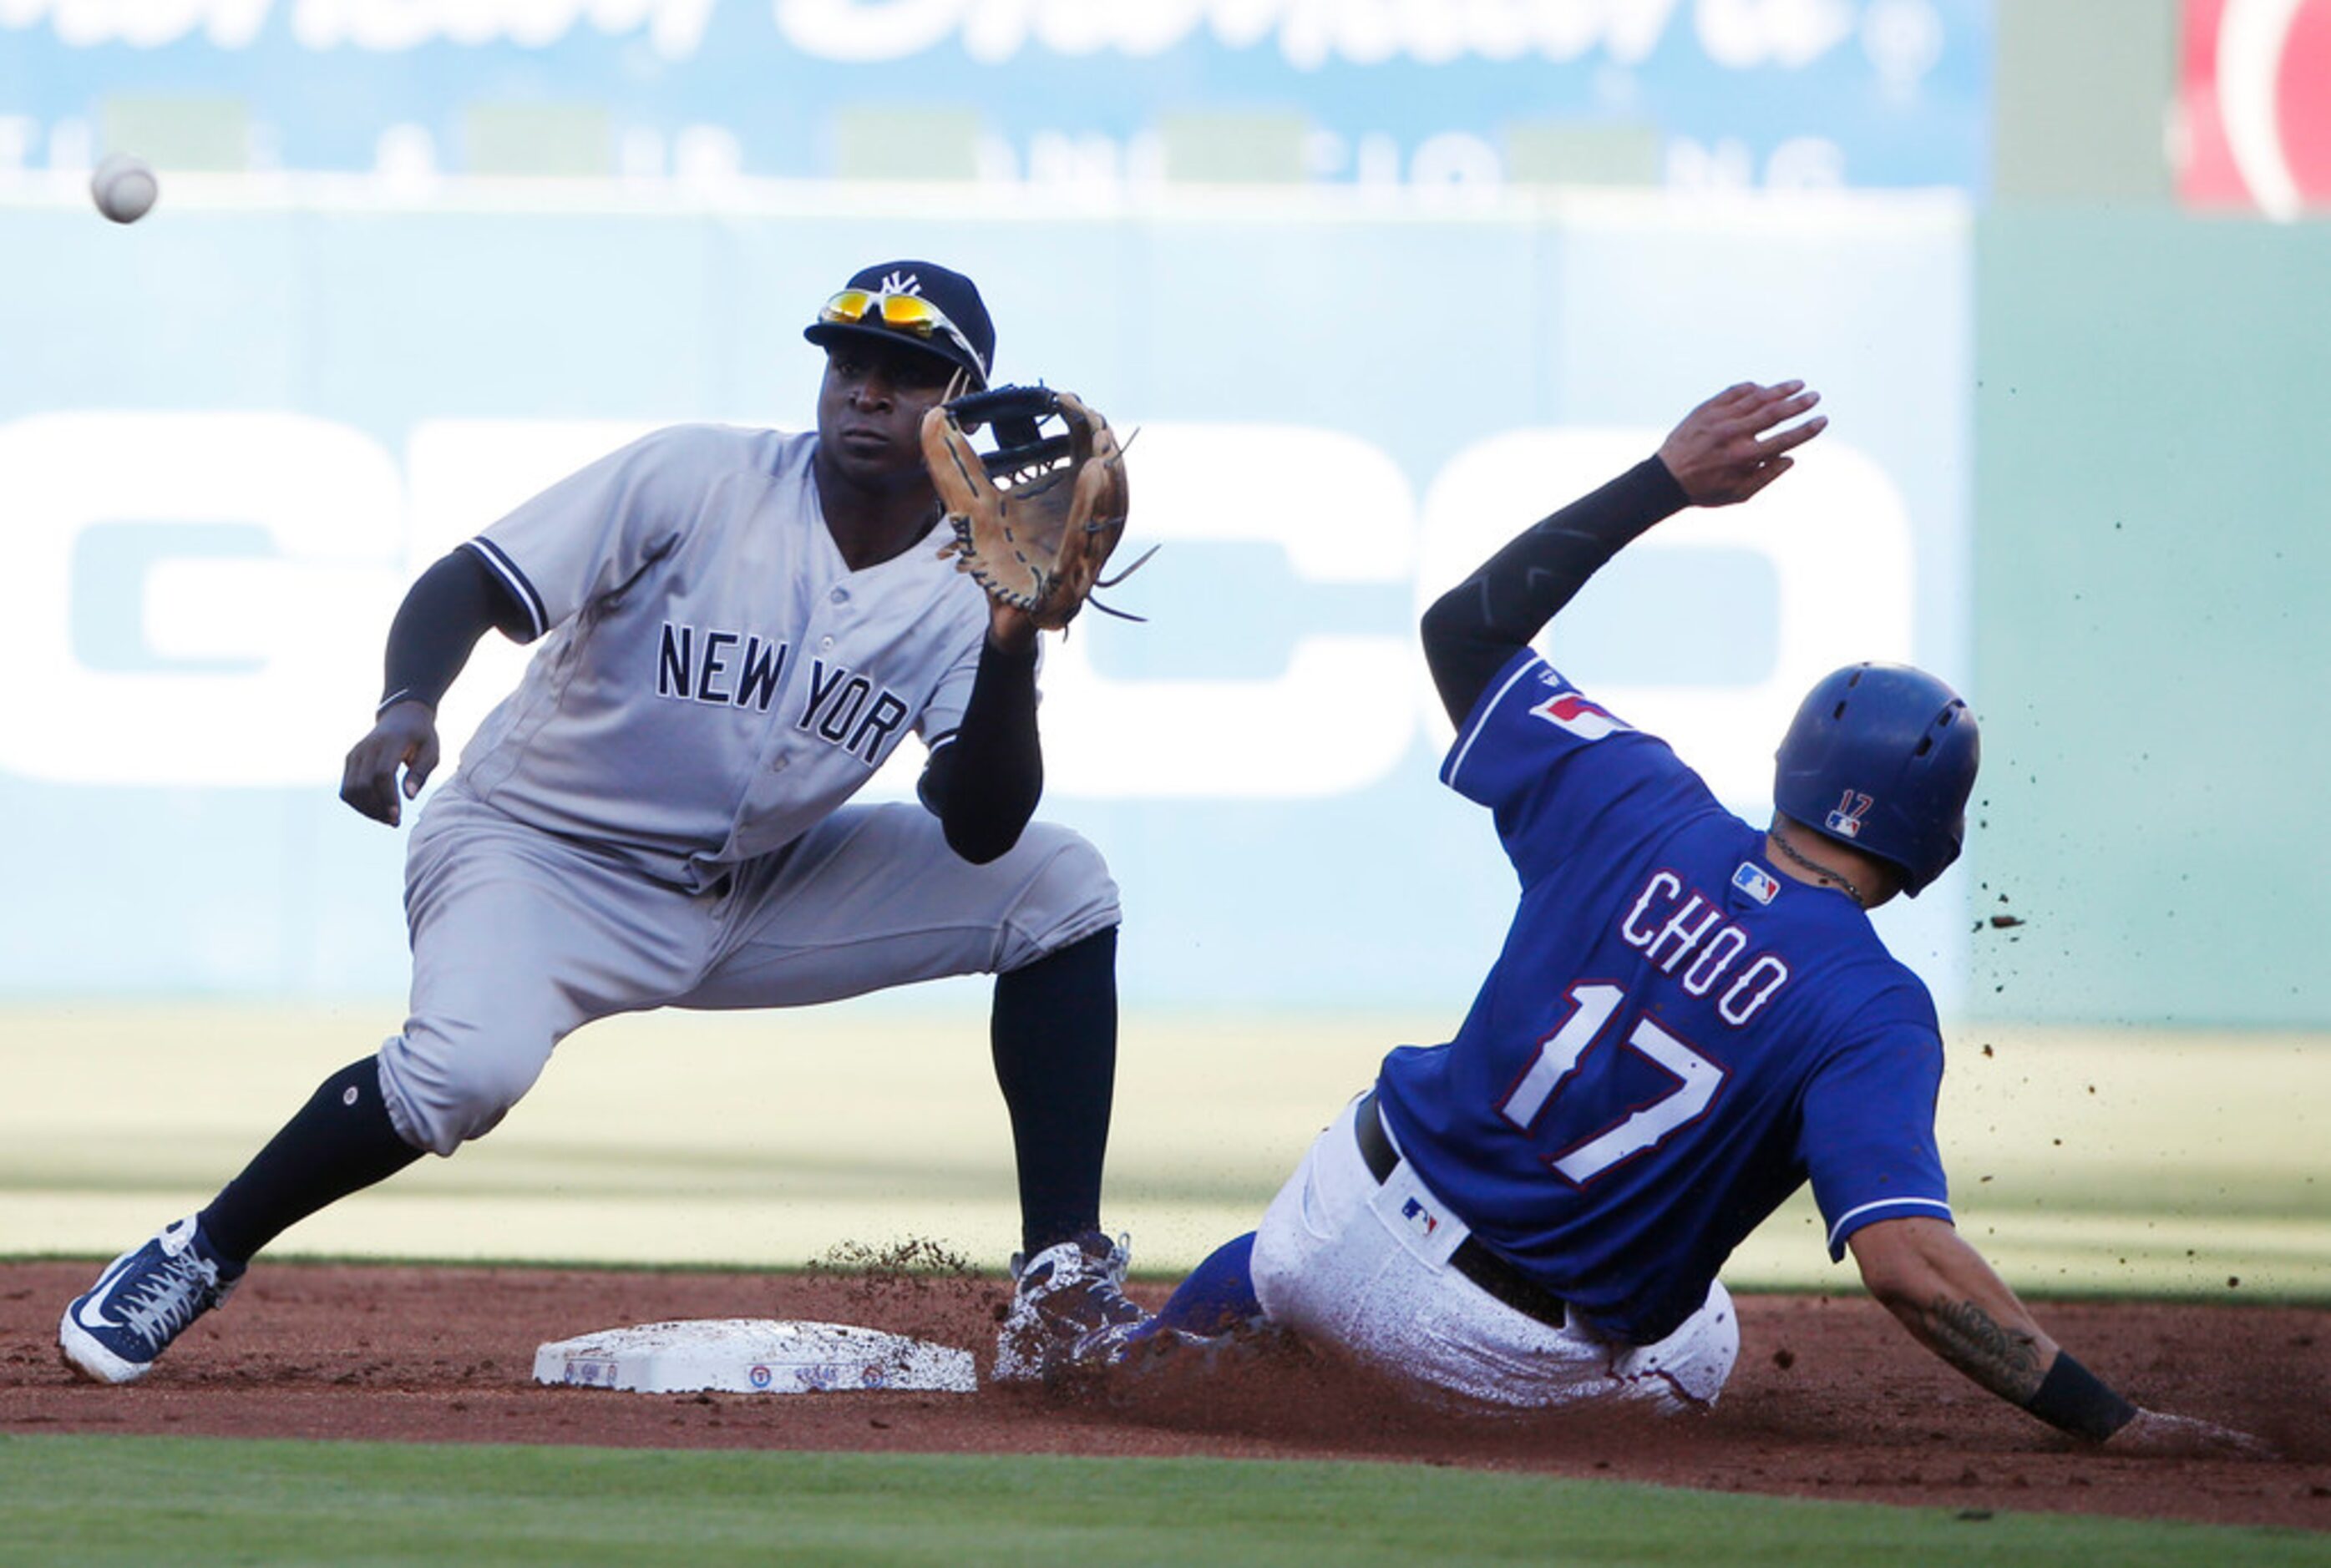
(520, 937)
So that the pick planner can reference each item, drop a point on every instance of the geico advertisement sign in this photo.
(257, 665)
(2256, 105)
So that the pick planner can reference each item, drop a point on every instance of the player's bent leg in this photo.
(1053, 1034)
(1064, 896)
(449, 1078)
(338, 1141)
(1311, 1262)
(1686, 1372)
(518, 939)
(1053, 1037)
(1333, 1266)
(872, 897)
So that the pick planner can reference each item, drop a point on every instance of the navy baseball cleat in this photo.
(145, 1299)
(1068, 1311)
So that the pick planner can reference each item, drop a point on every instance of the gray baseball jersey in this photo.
(716, 679)
(656, 816)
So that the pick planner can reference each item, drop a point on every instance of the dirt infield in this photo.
(1831, 1399)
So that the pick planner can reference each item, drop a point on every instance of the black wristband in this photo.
(2073, 1399)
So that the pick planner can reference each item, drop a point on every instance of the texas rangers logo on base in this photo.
(1586, 720)
(1845, 821)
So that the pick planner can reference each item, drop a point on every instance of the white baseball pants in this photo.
(1335, 1263)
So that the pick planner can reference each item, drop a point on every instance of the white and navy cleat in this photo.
(145, 1298)
(1068, 1311)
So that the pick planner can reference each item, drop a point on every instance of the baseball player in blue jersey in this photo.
(737, 627)
(1690, 1017)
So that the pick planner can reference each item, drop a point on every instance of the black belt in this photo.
(1475, 1261)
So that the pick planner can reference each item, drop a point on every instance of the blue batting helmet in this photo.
(1881, 757)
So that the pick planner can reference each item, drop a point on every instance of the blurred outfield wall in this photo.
(231, 436)
(2151, 560)
(1348, 268)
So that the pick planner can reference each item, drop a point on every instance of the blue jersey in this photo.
(1675, 1035)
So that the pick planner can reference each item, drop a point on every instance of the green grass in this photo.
(2083, 1163)
(149, 1501)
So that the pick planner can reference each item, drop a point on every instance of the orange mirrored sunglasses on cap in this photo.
(910, 313)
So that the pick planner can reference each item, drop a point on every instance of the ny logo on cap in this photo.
(1845, 821)
(901, 283)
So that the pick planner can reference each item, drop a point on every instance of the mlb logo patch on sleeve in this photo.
(1567, 709)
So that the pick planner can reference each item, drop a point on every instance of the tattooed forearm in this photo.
(2003, 1360)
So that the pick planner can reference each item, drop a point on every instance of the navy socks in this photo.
(1053, 1034)
(340, 1142)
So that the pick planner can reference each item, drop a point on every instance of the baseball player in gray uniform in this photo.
(737, 627)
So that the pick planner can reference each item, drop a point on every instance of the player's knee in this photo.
(1686, 1372)
(1068, 858)
(446, 1085)
(1069, 897)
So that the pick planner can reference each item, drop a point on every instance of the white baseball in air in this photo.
(124, 188)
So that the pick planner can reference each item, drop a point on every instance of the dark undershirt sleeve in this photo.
(983, 781)
(1471, 631)
(455, 601)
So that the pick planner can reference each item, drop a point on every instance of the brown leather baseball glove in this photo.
(1036, 520)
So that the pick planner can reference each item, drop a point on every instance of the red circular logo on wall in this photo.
(2256, 102)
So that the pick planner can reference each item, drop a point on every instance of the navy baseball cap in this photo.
(927, 305)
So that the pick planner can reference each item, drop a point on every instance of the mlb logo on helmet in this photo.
(1845, 821)
(1882, 757)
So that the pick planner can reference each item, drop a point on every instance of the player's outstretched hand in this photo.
(2159, 1434)
(1732, 446)
(404, 737)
